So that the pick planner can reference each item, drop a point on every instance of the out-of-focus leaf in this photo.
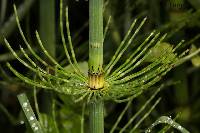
(158, 51)
(82, 65)
(70, 122)
(195, 3)
(47, 123)
(11, 118)
(196, 60)
(9, 26)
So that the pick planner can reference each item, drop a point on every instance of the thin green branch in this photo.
(34, 124)
(62, 35)
(75, 68)
(126, 69)
(133, 54)
(145, 116)
(25, 79)
(125, 47)
(81, 76)
(35, 69)
(157, 64)
(70, 39)
(120, 116)
(139, 111)
(25, 40)
(121, 45)
(138, 85)
(188, 57)
(106, 28)
(167, 120)
(36, 103)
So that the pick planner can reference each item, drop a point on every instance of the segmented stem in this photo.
(96, 109)
(95, 74)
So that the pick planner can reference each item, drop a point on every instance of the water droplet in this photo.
(21, 122)
(27, 110)
(33, 125)
(148, 131)
(25, 104)
(81, 84)
(179, 127)
(36, 128)
(31, 118)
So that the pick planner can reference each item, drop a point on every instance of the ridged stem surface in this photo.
(96, 109)
(95, 74)
(95, 36)
(96, 77)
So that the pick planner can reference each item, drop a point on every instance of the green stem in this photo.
(95, 36)
(47, 25)
(96, 109)
(181, 90)
(47, 34)
(95, 63)
(96, 78)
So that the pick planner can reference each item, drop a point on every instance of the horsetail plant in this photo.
(120, 84)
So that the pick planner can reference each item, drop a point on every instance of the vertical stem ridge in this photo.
(97, 116)
(96, 77)
(95, 36)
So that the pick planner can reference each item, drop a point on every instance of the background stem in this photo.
(47, 34)
(47, 25)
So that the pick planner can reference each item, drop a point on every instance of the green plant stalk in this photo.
(96, 109)
(95, 74)
(95, 36)
(95, 63)
(3, 11)
(181, 90)
(47, 25)
(47, 34)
